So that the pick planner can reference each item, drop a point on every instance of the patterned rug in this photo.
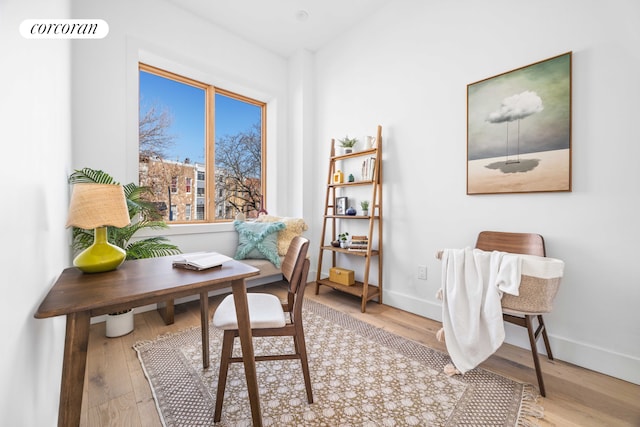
(361, 375)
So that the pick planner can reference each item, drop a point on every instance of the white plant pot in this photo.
(119, 324)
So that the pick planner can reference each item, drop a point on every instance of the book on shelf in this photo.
(368, 168)
(200, 260)
(359, 243)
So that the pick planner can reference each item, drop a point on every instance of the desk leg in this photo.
(244, 329)
(204, 326)
(73, 368)
(166, 311)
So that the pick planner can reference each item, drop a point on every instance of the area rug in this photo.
(361, 375)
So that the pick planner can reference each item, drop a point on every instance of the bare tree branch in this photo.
(153, 133)
(239, 158)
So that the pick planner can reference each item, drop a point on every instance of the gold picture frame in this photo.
(519, 130)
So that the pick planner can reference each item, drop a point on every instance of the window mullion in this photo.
(210, 154)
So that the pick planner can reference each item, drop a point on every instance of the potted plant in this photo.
(365, 207)
(343, 238)
(143, 214)
(347, 144)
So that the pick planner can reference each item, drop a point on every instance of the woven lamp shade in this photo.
(97, 205)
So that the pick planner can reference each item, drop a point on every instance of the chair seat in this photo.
(520, 313)
(265, 311)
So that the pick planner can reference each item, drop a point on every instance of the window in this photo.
(178, 119)
(174, 184)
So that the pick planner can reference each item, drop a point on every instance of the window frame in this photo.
(210, 187)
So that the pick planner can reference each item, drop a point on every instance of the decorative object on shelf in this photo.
(347, 144)
(148, 218)
(351, 211)
(335, 243)
(341, 205)
(351, 178)
(365, 207)
(344, 239)
(342, 276)
(370, 142)
(338, 177)
(98, 206)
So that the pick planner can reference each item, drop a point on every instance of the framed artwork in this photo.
(519, 130)
(341, 205)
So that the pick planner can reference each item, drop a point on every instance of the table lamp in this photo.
(97, 206)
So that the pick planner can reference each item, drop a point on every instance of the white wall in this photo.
(105, 92)
(36, 150)
(408, 68)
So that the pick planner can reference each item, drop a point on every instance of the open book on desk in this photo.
(200, 260)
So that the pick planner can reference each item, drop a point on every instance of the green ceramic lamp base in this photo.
(101, 255)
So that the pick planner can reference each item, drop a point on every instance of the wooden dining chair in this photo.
(269, 317)
(530, 244)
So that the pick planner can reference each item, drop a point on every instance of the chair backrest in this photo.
(298, 296)
(292, 264)
(517, 243)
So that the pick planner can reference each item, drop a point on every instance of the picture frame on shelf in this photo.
(341, 205)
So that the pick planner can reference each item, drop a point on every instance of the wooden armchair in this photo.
(530, 244)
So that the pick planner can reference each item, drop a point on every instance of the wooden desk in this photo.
(80, 296)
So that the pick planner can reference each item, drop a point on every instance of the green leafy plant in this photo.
(143, 215)
(364, 205)
(343, 236)
(347, 142)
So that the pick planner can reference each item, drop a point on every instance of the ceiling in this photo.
(284, 26)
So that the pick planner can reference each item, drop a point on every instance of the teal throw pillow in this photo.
(258, 240)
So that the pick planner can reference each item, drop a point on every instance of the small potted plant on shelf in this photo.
(365, 207)
(347, 144)
(344, 239)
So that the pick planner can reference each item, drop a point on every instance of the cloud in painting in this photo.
(516, 107)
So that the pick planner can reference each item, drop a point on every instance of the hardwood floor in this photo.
(116, 392)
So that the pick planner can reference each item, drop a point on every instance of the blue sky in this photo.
(186, 105)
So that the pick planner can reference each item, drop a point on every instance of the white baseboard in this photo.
(605, 361)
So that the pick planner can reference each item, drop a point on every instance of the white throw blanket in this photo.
(473, 282)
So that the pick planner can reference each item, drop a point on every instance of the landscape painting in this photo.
(519, 130)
